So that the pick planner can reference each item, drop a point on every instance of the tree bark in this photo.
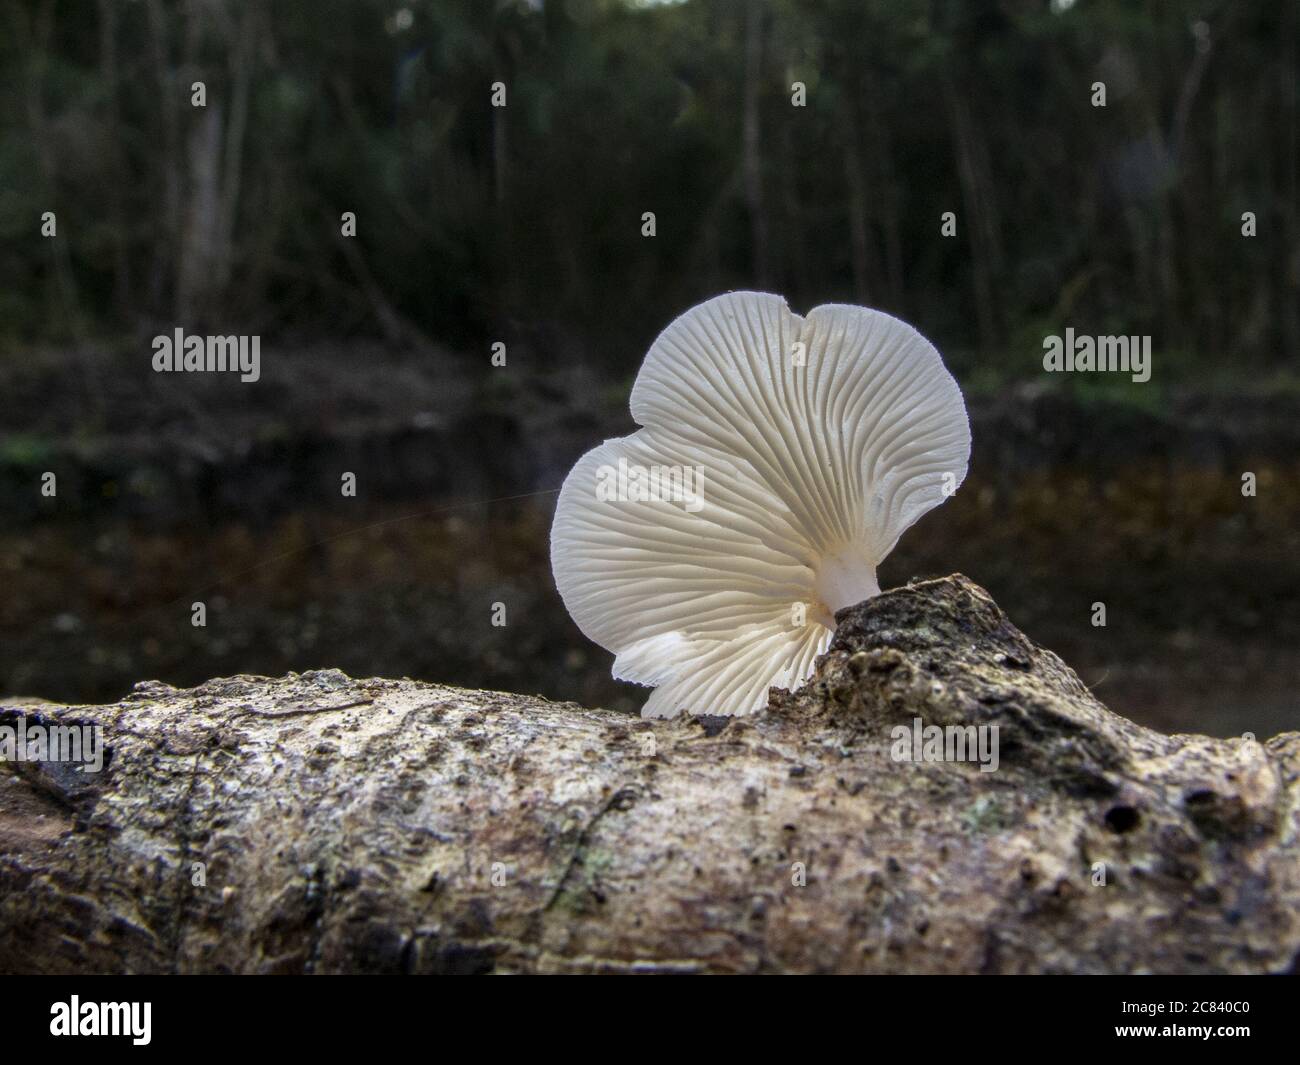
(397, 826)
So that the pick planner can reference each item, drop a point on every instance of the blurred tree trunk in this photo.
(1289, 93)
(214, 160)
(198, 251)
(752, 162)
(165, 251)
(34, 33)
(890, 208)
(855, 179)
(108, 67)
(794, 257)
(1201, 318)
(499, 154)
(243, 59)
(981, 221)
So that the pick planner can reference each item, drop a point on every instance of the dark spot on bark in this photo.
(624, 799)
(712, 724)
(379, 948)
(1220, 817)
(461, 960)
(1083, 782)
(1122, 819)
(1014, 661)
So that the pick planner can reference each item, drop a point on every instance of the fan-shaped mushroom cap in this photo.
(795, 452)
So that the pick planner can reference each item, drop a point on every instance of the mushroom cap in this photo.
(807, 464)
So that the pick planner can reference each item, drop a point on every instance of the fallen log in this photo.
(317, 823)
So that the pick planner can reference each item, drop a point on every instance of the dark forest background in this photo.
(476, 221)
(523, 225)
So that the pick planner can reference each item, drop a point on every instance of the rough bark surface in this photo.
(396, 826)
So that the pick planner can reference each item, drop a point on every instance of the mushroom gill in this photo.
(779, 460)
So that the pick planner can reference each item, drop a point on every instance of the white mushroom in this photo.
(780, 460)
